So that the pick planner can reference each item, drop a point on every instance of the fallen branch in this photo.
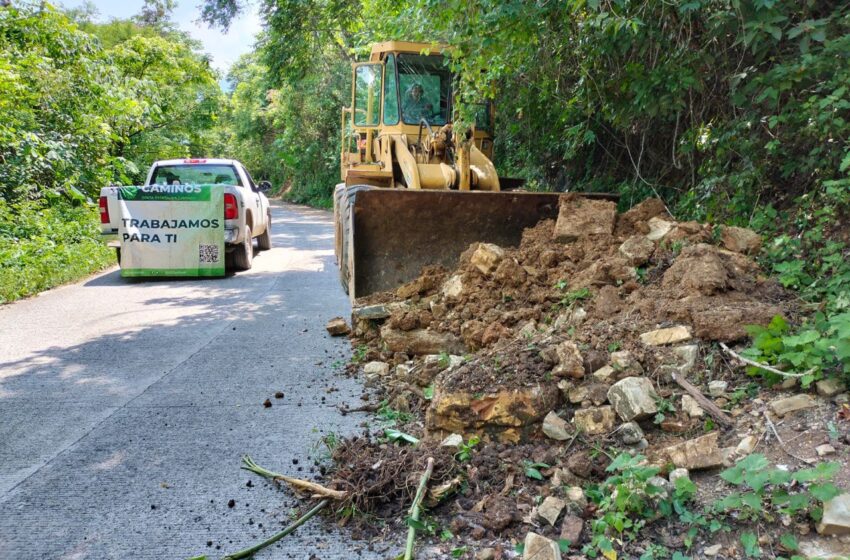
(765, 366)
(249, 552)
(712, 409)
(317, 489)
(414, 508)
(782, 443)
(365, 408)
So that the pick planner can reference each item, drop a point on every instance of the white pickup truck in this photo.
(246, 209)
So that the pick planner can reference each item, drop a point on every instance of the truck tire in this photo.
(264, 241)
(242, 257)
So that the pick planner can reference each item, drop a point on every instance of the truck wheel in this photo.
(243, 256)
(264, 241)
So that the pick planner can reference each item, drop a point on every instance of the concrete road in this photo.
(126, 405)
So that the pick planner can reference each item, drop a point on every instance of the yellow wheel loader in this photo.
(414, 193)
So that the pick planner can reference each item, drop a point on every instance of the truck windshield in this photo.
(425, 84)
(195, 174)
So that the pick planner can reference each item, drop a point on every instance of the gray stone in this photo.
(570, 361)
(830, 387)
(623, 361)
(717, 388)
(669, 335)
(577, 394)
(576, 501)
(555, 427)
(662, 484)
(371, 312)
(452, 440)
(824, 450)
(594, 420)
(781, 407)
(694, 454)
(637, 249)
(538, 547)
(746, 446)
(691, 407)
(421, 341)
(551, 509)
(836, 516)
(377, 368)
(633, 398)
(676, 474)
(604, 374)
(487, 257)
(712, 550)
(630, 433)
(486, 554)
(687, 357)
(579, 217)
(740, 240)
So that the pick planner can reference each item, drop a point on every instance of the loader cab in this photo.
(401, 91)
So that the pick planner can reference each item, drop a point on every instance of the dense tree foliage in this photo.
(80, 110)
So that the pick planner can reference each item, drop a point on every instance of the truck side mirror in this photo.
(264, 186)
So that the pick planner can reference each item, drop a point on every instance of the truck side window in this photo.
(390, 92)
(250, 180)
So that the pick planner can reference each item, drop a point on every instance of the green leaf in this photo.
(789, 542)
(397, 435)
(751, 545)
(532, 472)
(824, 492)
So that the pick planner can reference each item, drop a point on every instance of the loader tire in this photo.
(345, 210)
(264, 241)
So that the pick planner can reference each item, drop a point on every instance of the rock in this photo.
(555, 427)
(453, 287)
(630, 433)
(746, 446)
(380, 369)
(337, 327)
(691, 407)
(452, 440)
(663, 486)
(830, 387)
(570, 362)
(836, 516)
(538, 547)
(577, 394)
(597, 393)
(571, 530)
(637, 249)
(670, 335)
(528, 329)
(633, 398)
(712, 550)
(687, 357)
(676, 474)
(740, 240)
(487, 257)
(594, 421)
(403, 370)
(551, 509)
(604, 374)
(658, 228)
(824, 450)
(372, 312)
(576, 501)
(486, 554)
(579, 217)
(727, 322)
(781, 407)
(694, 454)
(420, 341)
(624, 362)
(717, 388)
(502, 414)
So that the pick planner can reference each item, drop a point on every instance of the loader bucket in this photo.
(385, 236)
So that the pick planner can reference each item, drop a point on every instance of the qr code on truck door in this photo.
(208, 253)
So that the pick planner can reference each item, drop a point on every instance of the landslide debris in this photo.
(525, 369)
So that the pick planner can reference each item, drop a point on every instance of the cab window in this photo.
(390, 92)
(425, 84)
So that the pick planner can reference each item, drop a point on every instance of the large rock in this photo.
(630, 433)
(555, 427)
(691, 407)
(694, 454)
(453, 287)
(830, 387)
(594, 420)
(377, 368)
(487, 257)
(836, 516)
(637, 249)
(670, 335)
(505, 414)
(538, 547)
(580, 217)
(421, 341)
(633, 398)
(372, 312)
(571, 530)
(781, 407)
(740, 240)
(570, 362)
